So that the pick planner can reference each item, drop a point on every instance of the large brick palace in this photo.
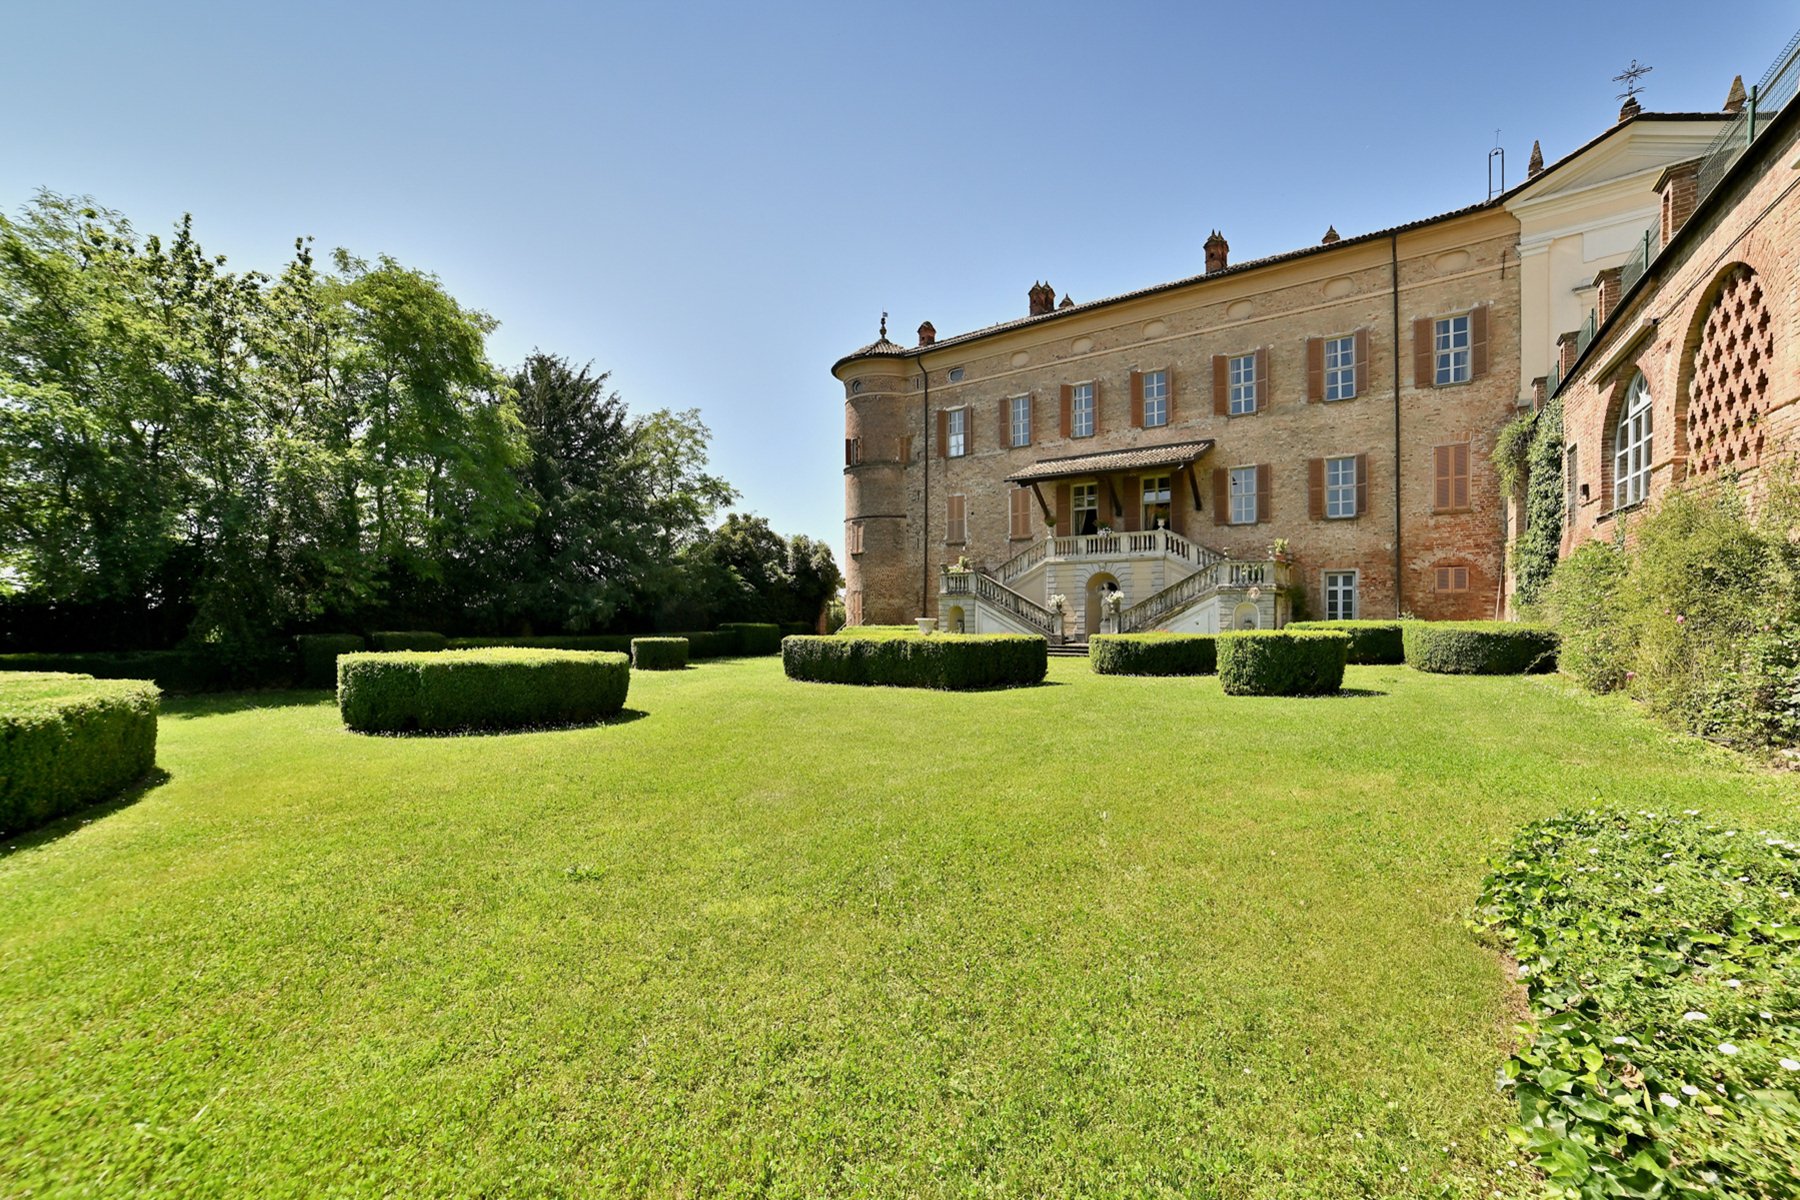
(1308, 432)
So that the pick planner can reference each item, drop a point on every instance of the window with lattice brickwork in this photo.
(1729, 386)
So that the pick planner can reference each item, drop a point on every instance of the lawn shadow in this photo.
(215, 704)
(624, 716)
(1353, 692)
(52, 831)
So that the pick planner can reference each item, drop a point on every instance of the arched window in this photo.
(1631, 446)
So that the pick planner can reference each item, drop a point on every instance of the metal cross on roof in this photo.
(1629, 77)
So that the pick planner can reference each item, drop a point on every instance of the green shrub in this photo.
(659, 653)
(319, 654)
(1660, 956)
(710, 644)
(171, 670)
(70, 740)
(1585, 603)
(1274, 662)
(878, 631)
(951, 662)
(1153, 654)
(408, 639)
(1479, 647)
(753, 639)
(1371, 642)
(446, 690)
(612, 643)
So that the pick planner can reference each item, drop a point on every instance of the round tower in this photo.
(883, 483)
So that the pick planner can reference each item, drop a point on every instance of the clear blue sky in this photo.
(715, 202)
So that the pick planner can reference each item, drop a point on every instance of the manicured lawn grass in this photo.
(1110, 936)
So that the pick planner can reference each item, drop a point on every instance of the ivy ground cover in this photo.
(1105, 937)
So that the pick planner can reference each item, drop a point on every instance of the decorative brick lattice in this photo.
(1731, 378)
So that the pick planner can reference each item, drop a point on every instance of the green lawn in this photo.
(1107, 936)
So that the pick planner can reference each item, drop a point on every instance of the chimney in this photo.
(1606, 286)
(1736, 98)
(1535, 167)
(1066, 302)
(1679, 187)
(1331, 235)
(1217, 252)
(1540, 392)
(1629, 109)
(1043, 299)
(927, 334)
(1567, 353)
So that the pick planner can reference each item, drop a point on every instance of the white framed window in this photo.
(1340, 368)
(1156, 398)
(1018, 421)
(1081, 410)
(1243, 495)
(1156, 501)
(956, 374)
(1571, 475)
(1450, 350)
(1340, 487)
(1084, 504)
(1340, 595)
(1631, 446)
(1241, 385)
(958, 432)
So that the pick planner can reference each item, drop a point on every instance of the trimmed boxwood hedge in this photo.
(1275, 662)
(753, 638)
(1370, 641)
(408, 639)
(659, 653)
(67, 741)
(952, 662)
(446, 690)
(319, 654)
(171, 670)
(1153, 654)
(1479, 648)
(713, 644)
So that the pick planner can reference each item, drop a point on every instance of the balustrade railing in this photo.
(1217, 575)
(989, 590)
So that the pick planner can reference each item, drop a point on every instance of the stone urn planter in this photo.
(927, 624)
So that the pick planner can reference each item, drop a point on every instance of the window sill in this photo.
(1452, 512)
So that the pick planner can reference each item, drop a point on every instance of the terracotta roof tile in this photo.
(1136, 458)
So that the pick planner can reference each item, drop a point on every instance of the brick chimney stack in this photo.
(1043, 299)
(1607, 289)
(927, 334)
(1218, 252)
(1736, 98)
(1679, 187)
(1535, 167)
(1331, 235)
(1629, 109)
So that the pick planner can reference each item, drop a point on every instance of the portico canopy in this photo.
(1108, 462)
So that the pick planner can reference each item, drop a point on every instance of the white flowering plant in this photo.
(1660, 954)
(1058, 602)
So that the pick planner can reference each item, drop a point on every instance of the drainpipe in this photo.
(1394, 275)
(925, 449)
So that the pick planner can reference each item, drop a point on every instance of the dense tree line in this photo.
(193, 454)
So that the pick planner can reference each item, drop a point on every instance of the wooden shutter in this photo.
(1362, 484)
(1263, 392)
(968, 430)
(1137, 399)
(1063, 500)
(1169, 377)
(1315, 488)
(1134, 503)
(1068, 405)
(1478, 342)
(1005, 441)
(1221, 496)
(1424, 372)
(1096, 386)
(943, 433)
(1221, 385)
(1459, 475)
(1178, 480)
(1315, 370)
(956, 521)
(1440, 477)
(1263, 506)
(1362, 361)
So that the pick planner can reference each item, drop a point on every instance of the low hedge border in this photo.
(170, 670)
(318, 653)
(1371, 642)
(1153, 654)
(67, 741)
(659, 654)
(754, 639)
(949, 662)
(1274, 662)
(1479, 648)
(446, 691)
(408, 639)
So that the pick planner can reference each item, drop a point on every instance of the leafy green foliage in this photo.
(413, 639)
(1371, 642)
(1512, 451)
(1274, 662)
(1153, 654)
(754, 638)
(318, 654)
(1540, 542)
(745, 570)
(185, 670)
(67, 741)
(1661, 957)
(1478, 647)
(952, 662)
(1585, 603)
(450, 690)
(659, 653)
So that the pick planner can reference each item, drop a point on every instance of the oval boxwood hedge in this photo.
(1370, 641)
(1479, 648)
(442, 691)
(1153, 654)
(319, 654)
(659, 653)
(1274, 662)
(408, 639)
(951, 662)
(67, 741)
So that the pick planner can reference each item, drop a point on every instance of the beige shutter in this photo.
(1221, 496)
(1264, 509)
(1137, 399)
(1424, 373)
(1315, 488)
(943, 433)
(1362, 361)
(1005, 423)
(1478, 342)
(1221, 385)
(1440, 474)
(1068, 405)
(1459, 475)
(1263, 393)
(1362, 484)
(1315, 370)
